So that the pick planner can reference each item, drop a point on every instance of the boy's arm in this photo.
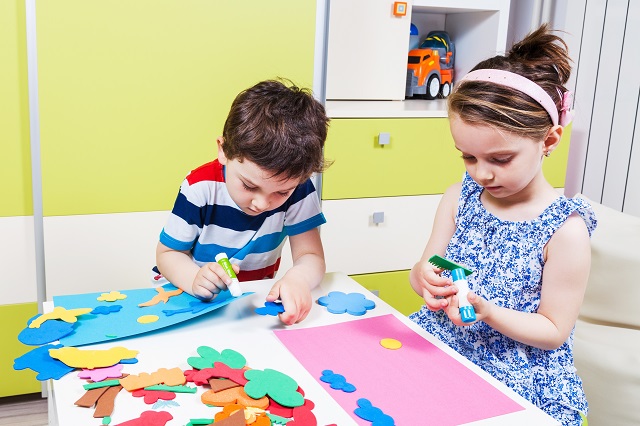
(179, 268)
(294, 288)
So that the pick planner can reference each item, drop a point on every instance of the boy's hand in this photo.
(436, 290)
(210, 280)
(481, 306)
(295, 297)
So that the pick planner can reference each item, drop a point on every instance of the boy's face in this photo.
(252, 188)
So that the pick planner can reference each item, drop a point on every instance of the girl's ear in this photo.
(552, 139)
(221, 157)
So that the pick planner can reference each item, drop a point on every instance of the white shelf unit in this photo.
(367, 56)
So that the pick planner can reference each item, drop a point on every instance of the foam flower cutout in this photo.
(270, 308)
(106, 310)
(280, 387)
(338, 302)
(337, 381)
(373, 414)
(112, 296)
(209, 356)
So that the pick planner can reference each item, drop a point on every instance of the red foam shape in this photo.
(302, 415)
(152, 396)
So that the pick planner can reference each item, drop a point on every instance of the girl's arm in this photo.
(294, 288)
(564, 281)
(424, 277)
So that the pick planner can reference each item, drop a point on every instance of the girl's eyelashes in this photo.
(504, 160)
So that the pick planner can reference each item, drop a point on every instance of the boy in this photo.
(247, 201)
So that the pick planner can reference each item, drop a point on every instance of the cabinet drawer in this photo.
(393, 288)
(420, 158)
(354, 244)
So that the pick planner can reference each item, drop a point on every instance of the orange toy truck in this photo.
(430, 67)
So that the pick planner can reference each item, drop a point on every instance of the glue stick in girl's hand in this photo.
(467, 313)
(234, 287)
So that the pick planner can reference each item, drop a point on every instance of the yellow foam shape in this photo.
(112, 296)
(60, 313)
(170, 377)
(146, 319)
(93, 358)
(391, 343)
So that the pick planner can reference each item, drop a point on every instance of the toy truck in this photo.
(430, 67)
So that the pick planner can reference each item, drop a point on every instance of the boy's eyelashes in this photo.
(255, 188)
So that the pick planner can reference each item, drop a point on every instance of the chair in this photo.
(607, 335)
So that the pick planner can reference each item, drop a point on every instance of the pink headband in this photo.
(528, 87)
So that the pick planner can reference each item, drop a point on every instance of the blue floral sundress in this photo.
(507, 260)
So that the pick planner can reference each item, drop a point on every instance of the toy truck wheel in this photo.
(445, 90)
(433, 87)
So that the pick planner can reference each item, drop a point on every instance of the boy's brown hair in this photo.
(280, 127)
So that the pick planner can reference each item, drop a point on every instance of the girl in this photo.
(527, 245)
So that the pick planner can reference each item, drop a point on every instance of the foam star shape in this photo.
(338, 302)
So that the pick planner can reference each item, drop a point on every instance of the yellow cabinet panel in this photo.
(393, 288)
(420, 158)
(14, 319)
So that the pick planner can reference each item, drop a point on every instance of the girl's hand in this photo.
(436, 290)
(295, 297)
(481, 306)
(210, 280)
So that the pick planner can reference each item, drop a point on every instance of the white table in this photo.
(237, 327)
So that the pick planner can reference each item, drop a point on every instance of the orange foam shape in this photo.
(170, 377)
(93, 358)
(235, 395)
(162, 296)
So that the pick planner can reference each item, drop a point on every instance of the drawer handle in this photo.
(378, 218)
(384, 139)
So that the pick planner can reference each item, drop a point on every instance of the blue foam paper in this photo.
(123, 323)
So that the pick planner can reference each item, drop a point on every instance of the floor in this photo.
(24, 410)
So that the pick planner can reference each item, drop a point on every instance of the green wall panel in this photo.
(15, 157)
(14, 319)
(134, 93)
(555, 166)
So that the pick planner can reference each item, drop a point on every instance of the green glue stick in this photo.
(234, 287)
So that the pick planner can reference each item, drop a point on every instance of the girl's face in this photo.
(503, 163)
(253, 189)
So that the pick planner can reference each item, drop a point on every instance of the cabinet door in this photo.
(393, 288)
(355, 244)
(367, 50)
(420, 158)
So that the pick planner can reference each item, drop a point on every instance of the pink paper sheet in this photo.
(416, 384)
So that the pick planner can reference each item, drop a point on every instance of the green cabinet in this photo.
(393, 288)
